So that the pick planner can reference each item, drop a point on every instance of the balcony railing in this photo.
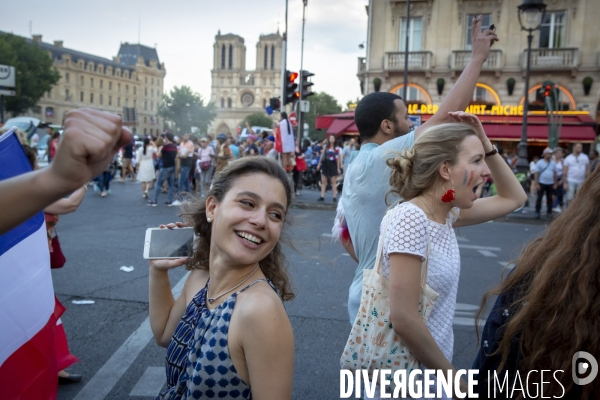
(460, 58)
(362, 64)
(550, 59)
(247, 80)
(417, 61)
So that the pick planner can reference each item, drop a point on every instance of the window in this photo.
(101, 82)
(126, 102)
(145, 105)
(145, 91)
(49, 94)
(67, 97)
(223, 57)
(119, 87)
(126, 88)
(92, 98)
(109, 85)
(151, 92)
(412, 94)
(81, 80)
(110, 100)
(67, 77)
(81, 97)
(272, 57)
(266, 57)
(37, 110)
(134, 103)
(91, 82)
(228, 103)
(118, 102)
(222, 102)
(264, 103)
(479, 94)
(552, 30)
(151, 106)
(145, 119)
(415, 34)
(101, 99)
(486, 21)
(134, 90)
(230, 56)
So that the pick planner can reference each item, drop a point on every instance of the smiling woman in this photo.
(228, 334)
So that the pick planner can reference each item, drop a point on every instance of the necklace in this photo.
(428, 209)
(211, 300)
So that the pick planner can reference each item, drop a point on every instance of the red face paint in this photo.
(471, 178)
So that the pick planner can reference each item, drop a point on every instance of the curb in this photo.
(305, 205)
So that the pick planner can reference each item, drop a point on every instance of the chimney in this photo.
(58, 43)
(37, 38)
(116, 59)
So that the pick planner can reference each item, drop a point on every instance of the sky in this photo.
(183, 32)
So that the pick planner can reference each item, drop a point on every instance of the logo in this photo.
(581, 368)
(4, 71)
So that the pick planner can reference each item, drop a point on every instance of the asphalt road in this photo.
(118, 357)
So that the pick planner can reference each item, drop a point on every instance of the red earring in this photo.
(449, 194)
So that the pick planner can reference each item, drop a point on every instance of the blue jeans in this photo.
(184, 180)
(104, 181)
(165, 174)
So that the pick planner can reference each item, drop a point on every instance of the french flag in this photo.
(28, 312)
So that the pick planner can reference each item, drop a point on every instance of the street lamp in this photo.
(531, 14)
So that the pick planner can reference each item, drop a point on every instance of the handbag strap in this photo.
(425, 264)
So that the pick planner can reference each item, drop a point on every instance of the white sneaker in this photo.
(176, 203)
(557, 209)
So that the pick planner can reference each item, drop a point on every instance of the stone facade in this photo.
(566, 51)
(236, 91)
(134, 78)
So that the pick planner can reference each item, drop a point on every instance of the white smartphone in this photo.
(168, 243)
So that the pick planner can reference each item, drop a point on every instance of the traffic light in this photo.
(547, 91)
(290, 87)
(275, 103)
(305, 89)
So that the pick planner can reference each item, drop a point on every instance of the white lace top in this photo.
(407, 232)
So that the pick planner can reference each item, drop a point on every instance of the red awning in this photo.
(568, 133)
(339, 125)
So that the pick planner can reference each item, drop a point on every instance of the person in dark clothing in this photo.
(167, 154)
(547, 309)
(127, 164)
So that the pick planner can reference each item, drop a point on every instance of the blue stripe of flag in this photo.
(13, 162)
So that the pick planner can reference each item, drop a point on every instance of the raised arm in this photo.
(510, 192)
(462, 92)
(90, 140)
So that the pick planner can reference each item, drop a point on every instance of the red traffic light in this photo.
(293, 76)
(296, 95)
(547, 90)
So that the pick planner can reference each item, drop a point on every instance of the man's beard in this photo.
(398, 131)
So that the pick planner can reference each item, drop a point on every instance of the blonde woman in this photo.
(438, 179)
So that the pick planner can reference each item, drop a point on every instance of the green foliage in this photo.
(35, 72)
(587, 81)
(185, 109)
(377, 84)
(440, 82)
(320, 104)
(257, 119)
(511, 81)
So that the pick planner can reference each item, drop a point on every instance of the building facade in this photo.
(236, 91)
(565, 52)
(134, 78)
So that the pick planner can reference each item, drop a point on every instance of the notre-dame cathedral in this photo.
(236, 91)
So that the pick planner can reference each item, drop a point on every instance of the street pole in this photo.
(2, 109)
(522, 164)
(405, 87)
(300, 114)
(283, 60)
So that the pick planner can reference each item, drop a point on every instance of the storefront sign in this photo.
(473, 109)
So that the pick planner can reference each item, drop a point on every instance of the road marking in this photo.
(468, 246)
(463, 321)
(346, 254)
(508, 264)
(150, 383)
(109, 374)
(327, 235)
(466, 307)
(464, 315)
(487, 253)
(462, 239)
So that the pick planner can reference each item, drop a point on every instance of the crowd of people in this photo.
(228, 334)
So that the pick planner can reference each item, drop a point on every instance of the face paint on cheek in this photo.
(465, 178)
(471, 177)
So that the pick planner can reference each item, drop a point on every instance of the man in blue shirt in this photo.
(383, 124)
(546, 181)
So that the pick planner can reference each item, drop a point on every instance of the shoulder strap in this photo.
(378, 262)
(252, 284)
(425, 263)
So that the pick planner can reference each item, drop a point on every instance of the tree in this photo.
(351, 105)
(185, 109)
(257, 119)
(320, 104)
(35, 72)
